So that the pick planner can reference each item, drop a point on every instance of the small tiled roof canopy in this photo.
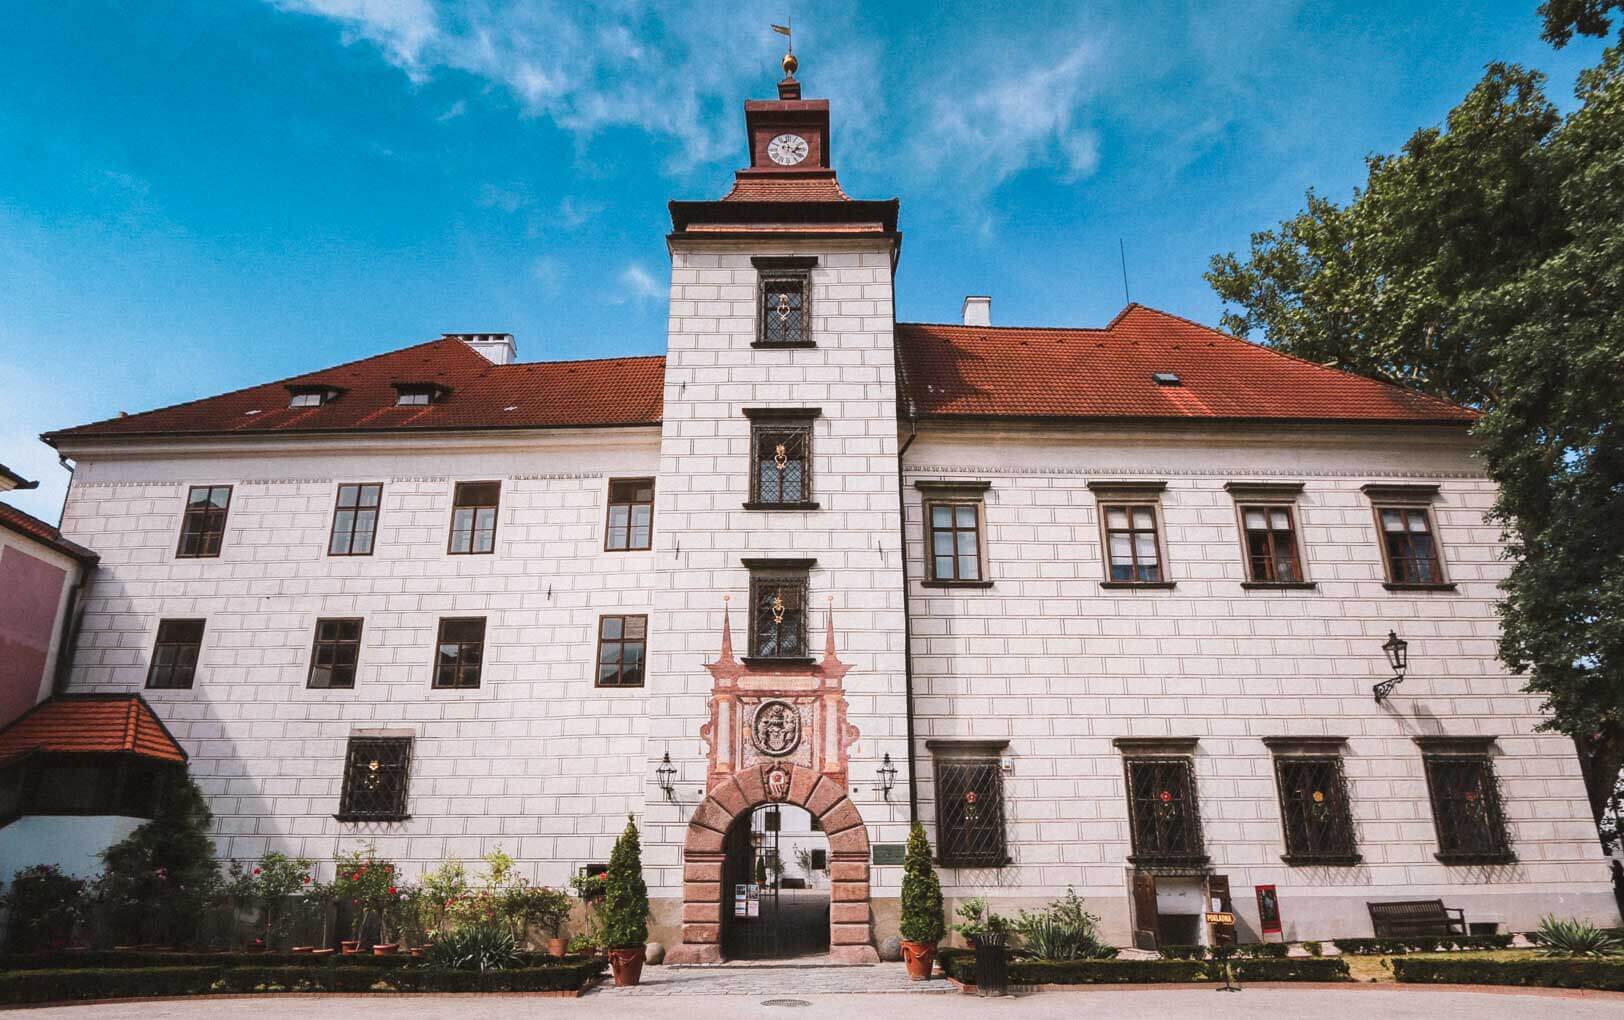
(32, 527)
(948, 372)
(90, 724)
(988, 372)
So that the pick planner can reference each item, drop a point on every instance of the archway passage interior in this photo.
(775, 886)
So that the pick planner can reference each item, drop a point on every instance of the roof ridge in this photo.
(255, 386)
(1270, 349)
(584, 361)
(1048, 329)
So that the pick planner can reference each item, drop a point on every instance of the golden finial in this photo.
(790, 63)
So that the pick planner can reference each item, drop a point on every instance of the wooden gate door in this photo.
(1144, 910)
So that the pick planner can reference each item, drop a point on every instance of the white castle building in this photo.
(1103, 607)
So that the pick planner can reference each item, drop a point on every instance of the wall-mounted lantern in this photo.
(1398, 657)
(888, 776)
(665, 775)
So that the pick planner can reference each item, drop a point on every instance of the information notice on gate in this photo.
(1268, 910)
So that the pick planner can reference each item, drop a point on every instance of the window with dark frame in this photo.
(459, 653)
(473, 518)
(174, 654)
(784, 317)
(970, 811)
(1271, 544)
(355, 519)
(781, 463)
(954, 527)
(1408, 545)
(622, 650)
(1133, 546)
(204, 523)
(1314, 810)
(778, 615)
(1466, 808)
(377, 771)
(1163, 818)
(631, 514)
(335, 655)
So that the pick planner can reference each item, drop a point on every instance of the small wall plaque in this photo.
(889, 853)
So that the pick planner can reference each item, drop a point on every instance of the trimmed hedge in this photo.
(1421, 944)
(1297, 968)
(146, 959)
(959, 964)
(1606, 975)
(1244, 951)
(37, 986)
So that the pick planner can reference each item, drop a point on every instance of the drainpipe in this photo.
(73, 613)
(907, 623)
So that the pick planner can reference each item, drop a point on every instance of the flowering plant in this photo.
(370, 883)
(267, 887)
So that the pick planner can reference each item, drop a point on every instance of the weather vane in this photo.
(790, 63)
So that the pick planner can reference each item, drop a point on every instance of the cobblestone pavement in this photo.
(614, 1004)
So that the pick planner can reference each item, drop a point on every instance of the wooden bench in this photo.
(1416, 917)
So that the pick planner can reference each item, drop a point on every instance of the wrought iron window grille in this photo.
(778, 617)
(781, 464)
(970, 813)
(1466, 809)
(1163, 816)
(1314, 810)
(376, 774)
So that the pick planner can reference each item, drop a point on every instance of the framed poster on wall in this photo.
(1268, 910)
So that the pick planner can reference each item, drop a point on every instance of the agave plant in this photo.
(1572, 937)
(474, 947)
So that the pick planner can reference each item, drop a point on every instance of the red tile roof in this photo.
(17, 481)
(949, 371)
(953, 371)
(545, 394)
(819, 186)
(32, 527)
(90, 724)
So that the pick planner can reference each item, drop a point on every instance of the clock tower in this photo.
(789, 135)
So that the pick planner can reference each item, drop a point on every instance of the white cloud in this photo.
(638, 284)
(453, 111)
(1004, 116)
(573, 212)
(403, 29)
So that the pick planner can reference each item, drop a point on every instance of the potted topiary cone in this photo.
(625, 908)
(922, 921)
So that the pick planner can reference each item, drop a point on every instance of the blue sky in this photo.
(197, 196)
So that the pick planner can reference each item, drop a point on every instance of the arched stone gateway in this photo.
(777, 735)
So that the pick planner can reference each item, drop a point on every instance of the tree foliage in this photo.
(1566, 18)
(1485, 263)
(160, 878)
(922, 919)
(625, 908)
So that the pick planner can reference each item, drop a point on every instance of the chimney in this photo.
(497, 348)
(978, 310)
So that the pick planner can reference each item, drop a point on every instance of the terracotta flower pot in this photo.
(302, 949)
(919, 956)
(555, 947)
(417, 952)
(626, 965)
(350, 946)
(388, 949)
(325, 951)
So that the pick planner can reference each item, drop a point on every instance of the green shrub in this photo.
(1606, 975)
(1572, 937)
(977, 921)
(625, 909)
(127, 959)
(1299, 968)
(1420, 944)
(1062, 931)
(160, 878)
(43, 907)
(1263, 950)
(368, 882)
(27, 987)
(478, 947)
(922, 919)
(1182, 952)
(1101, 972)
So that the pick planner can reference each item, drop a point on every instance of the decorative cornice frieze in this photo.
(1177, 472)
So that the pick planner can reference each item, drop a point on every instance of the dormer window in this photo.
(1167, 378)
(312, 395)
(420, 394)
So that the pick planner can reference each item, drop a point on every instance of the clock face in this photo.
(787, 150)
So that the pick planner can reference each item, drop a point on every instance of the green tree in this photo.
(922, 919)
(625, 911)
(1565, 18)
(1483, 263)
(160, 878)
